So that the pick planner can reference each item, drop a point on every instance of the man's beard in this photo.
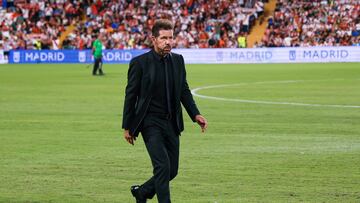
(163, 52)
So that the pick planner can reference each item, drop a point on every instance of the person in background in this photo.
(97, 53)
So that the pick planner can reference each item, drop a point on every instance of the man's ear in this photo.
(153, 38)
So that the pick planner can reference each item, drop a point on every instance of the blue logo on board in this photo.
(292, 55)
(219, 56)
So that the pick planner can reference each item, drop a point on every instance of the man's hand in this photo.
(130, 139)
(202, 122)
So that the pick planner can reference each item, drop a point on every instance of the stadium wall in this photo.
(199, 56)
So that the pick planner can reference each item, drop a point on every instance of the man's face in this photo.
(164, 42)
(102, 38)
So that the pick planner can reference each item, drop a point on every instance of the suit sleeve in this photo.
(131, 93)
(186, 97)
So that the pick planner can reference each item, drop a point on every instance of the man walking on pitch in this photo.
(156, 89)
(97, 53)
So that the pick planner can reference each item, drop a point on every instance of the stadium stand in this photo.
(313, 23)
(198, 24)
(71, 24)
(37, 24)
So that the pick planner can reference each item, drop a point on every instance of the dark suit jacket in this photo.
(138, 93)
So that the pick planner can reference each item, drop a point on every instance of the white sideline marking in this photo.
(194, 92)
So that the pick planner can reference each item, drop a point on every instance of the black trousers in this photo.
(162, 144)
(97, 66)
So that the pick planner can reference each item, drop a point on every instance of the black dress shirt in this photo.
(158, 104)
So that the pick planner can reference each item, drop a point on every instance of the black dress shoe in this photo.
(135, 191)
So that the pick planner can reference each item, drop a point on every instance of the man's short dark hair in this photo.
(162, 24)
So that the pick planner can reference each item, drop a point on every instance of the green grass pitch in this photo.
(61, 138)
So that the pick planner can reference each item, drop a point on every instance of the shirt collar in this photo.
(158, 57)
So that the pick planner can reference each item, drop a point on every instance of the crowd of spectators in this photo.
(126, 23)
(198, 24)
(38, 24)
(307, 23)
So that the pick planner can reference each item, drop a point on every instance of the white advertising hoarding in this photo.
(272, 55)
(2, 57)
